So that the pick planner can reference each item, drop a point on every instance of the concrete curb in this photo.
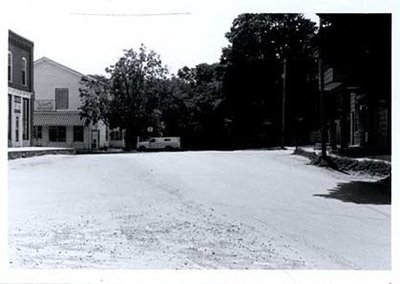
(27, 153)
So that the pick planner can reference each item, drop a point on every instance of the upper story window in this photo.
(61, 98)
(9, 66)
(23, 72)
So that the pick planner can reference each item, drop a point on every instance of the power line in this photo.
(130, 15)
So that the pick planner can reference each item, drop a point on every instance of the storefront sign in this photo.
(44, 105)
(17, 104)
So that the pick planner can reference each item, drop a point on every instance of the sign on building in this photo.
(44, 105)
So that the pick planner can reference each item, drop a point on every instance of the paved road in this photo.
(236, 210)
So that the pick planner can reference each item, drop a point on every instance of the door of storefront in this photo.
(18, 131)
(17, 109)
(95, 137)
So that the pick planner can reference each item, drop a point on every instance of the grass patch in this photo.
(344, 164)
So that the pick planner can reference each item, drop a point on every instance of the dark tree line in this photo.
(235, 103)
(261, 47)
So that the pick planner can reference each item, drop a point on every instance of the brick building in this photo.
(20, 90)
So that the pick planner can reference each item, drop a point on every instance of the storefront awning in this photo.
(57, 119)
(331, 86)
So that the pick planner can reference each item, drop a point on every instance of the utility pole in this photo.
(283, 104)
(321, 93)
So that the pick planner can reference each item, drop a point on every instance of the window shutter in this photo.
(61, 98)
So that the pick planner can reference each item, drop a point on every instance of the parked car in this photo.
(158, 143)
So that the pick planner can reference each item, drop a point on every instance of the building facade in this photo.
(361, 118)
(56, 119)
(356, 55)
(20, 90)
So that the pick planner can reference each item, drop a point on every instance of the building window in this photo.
(37, 132)
(61, 98)
(23, 72)
(26, 115)
(78, 133)
(9, 66)
(57, 134)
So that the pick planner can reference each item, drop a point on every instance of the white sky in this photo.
(91, 43)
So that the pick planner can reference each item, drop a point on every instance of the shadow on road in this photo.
(362, 192)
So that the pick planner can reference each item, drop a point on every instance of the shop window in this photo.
(57, 134)
(23, 71)
(61, 98)
(9, 66)
(78, 133)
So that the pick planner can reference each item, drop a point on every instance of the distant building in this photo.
(56, 120)
(20, 90)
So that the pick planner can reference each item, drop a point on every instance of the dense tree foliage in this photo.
(259, 45)
(139, 96)
(359, 46)
(234, 103)
(136, 85)
(95, 97)
(202, 86)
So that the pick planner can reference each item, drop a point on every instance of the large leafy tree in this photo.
(269, 37)
(259, 44)
(136, 87)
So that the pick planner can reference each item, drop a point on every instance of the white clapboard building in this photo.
(56, 119)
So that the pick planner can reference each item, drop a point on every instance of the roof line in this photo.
(11, 32)
(53, 112)
(46, 59)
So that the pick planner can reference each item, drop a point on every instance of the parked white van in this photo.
(158, 143)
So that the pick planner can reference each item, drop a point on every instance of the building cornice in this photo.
(18, 38)
(20, 93)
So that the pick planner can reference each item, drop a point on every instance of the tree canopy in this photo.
(259, 44)
(135, 82)
(95, 97)
(359, 47)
